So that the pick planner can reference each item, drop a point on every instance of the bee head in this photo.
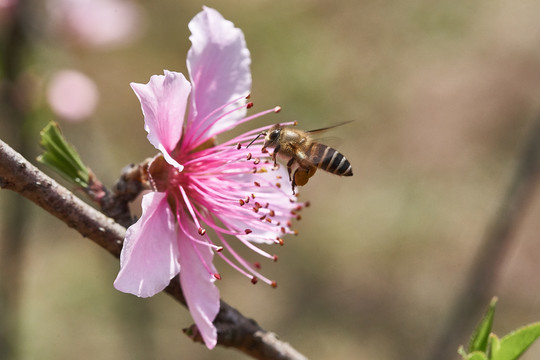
(271, 136)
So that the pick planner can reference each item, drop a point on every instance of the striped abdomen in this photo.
(331, 160)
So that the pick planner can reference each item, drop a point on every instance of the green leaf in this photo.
(60, 156)
(513, 345)
(479, 339)
(477, 355)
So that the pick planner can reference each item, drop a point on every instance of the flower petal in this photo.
(202, 296)
(163, 102)
(149, 257)
(218, 63)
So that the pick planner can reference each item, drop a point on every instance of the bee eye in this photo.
(274, 134)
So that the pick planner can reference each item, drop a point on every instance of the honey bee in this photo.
(300, 148)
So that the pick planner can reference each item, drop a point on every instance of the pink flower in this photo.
(72, 95)
(198, 185)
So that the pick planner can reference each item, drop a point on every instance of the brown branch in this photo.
(483, 275)
(234, 330)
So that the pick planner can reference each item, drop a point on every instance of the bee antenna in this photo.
(258, 136)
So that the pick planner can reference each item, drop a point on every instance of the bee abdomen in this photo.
(330, 160)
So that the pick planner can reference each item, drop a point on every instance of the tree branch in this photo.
(234, 330)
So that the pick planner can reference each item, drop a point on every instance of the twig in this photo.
(482, 277)
(234, 330)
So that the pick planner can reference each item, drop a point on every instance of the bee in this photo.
(300, 148)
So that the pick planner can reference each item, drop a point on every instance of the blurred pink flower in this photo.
(199, 185)
(72, 95)
(98, 23)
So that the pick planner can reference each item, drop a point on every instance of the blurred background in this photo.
(443, 96)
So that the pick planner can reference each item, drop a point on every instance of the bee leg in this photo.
(289, 167)
(274, 154)
(293, 182)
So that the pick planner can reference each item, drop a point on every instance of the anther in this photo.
(249, 105)
(299, 217)
(278, 185)
(202, 231)
(275, 258)
(307, 204)
(248, 96)
(277, 109)
(257, 184)
(248, 157)
(262, 217)
(255, 209)
(253, 195)
(238, 146)
(268, 220)
(295, 232)
(242, 202)
(248, 231)
(219, 249)
(280, 241)
(266, 205)
(257, 265)
(274, 284)
(257, 161)
(264, 150)
(272, 213)
(289, 224)
(217, 276)
(254, 280)
(283, 230)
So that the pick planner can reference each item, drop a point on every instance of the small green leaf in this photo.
(60, 156)
(513, 345)
(477, 355)
(479, 339)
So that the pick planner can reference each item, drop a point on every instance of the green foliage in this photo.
(484, 345)
(62, 157)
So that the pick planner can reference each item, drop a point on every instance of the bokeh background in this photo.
(443, 96)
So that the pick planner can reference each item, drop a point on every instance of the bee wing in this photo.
(317, 131)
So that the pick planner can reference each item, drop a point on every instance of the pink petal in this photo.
(202, 296)
(149, 257)
(163, 102)
(218, 64)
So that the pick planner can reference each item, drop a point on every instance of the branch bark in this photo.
(234, 329)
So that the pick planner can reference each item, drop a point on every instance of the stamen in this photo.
(190, 208)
